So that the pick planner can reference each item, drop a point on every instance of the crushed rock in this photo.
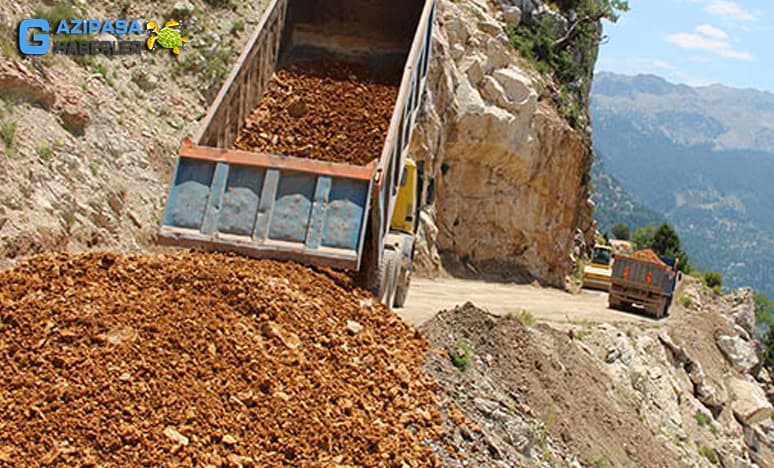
(331, 111)
(191, 358)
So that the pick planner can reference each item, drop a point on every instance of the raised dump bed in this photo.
(303, 153)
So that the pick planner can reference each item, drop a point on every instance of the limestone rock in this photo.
(146, 80)
(182, 10)
(740, 353)
(500, 159)
(511, 15)
(17, 81)
(749, 402)
(176, 437)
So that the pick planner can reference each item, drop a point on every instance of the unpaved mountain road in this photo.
(428, 296)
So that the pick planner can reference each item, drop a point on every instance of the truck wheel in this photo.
(404, 281)
(388, 275)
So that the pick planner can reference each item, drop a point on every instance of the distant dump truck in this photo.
(642, 279)
(597, 274)
(249, 183)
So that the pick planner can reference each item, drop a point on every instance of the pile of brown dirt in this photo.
(648, 255)
(519, 373)
(330, 111)
(199, 359)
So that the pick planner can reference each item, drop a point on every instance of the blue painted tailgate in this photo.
(268, 212)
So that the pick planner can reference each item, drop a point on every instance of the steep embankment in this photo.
(686, 391)
(511, 173)
(88, 145)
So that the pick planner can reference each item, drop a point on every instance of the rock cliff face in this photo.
(511, 174)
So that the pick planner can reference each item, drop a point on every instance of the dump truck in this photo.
(597, 274)
(264, 204)
(643, 280)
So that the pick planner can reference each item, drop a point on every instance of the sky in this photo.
(696, 42)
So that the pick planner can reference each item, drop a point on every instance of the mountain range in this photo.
(702, 157)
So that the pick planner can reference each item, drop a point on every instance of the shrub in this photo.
(461, 355)
(238, 26)
(702, 419)
(57, 12)
(44, 150)
(709, 453)
(767, 343)
(685, 301)
(222, 3)
(713, 279)
(525, 318)
(8, 135)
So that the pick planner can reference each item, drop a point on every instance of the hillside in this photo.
(613, 204)
(700, 166)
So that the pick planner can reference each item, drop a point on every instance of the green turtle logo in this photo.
(167, 37)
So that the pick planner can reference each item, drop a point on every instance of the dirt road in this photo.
(428, 296)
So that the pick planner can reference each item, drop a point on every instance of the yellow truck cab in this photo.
(597, 274)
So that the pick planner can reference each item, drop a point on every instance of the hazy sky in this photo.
(695, 42)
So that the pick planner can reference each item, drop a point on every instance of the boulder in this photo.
(742, 310)
(744, 316)
(741, 354)
(511, 15)
(182, 10)
(749, 402)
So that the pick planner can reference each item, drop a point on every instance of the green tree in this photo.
(588, 13)
(713, 280)
(767, 343)
(764, 315)
(643, 237)
(621, 231)
(666, 241)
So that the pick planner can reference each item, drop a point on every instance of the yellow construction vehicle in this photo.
(597, 274)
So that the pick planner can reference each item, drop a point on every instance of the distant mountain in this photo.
(720, 117)
(614, 204)
(702, 156)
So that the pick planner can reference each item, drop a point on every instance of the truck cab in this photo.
(597, 274)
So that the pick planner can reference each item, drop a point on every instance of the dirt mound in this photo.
(330, 111)
(648, 255)
(520, 374)
(204, 359)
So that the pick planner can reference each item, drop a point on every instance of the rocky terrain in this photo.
(89, 145)
(511, 173)
(688, 391)
(173, 358)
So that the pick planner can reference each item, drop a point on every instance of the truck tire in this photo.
(404, 281)
(388, 275)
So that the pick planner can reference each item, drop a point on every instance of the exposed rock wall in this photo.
(510, 172)
(695, 378)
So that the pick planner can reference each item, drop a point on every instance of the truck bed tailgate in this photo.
(268, 206)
